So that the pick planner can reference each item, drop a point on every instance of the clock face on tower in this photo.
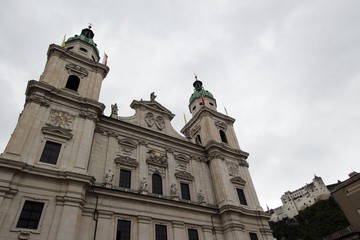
(61, 119)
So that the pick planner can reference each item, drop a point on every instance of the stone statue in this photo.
(201, 197)
(114, 109)
(143, 184)
(109, 176)
(173, 190)
(152, 96)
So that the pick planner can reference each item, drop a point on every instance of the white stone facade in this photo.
(298, 200)
(80, 195)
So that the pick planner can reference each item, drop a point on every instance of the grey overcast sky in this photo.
(287, 71)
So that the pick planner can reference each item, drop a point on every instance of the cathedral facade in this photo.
(69, 172)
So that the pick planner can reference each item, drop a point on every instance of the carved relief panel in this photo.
(153, 120)
(127, 147)
(182, 161)
(157, 158)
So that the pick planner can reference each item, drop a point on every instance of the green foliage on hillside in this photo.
(315, 222)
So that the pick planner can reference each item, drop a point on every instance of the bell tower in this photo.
(74, 67)
(231, 180)
(61, 109)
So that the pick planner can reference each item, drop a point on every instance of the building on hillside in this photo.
(347, 195)
(298, 200)
(69, 172)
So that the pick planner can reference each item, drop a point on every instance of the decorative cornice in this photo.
(89, 115)
(77, 70)
(220, 125)
(184, 175)
(64, 53)
(128, 143)
(182, 158)
(243, 163)
(127, 161)
(238, 180)
(208, 112)
(106, 132)
(143, 142)
(217, 146)
(195, 130)
(152, 106)
(38, 100)
(38, 89)
(57, 132)
(215, 154)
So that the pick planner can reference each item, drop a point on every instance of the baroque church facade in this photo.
(69, 172)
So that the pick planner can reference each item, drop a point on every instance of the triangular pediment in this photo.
(152, 106)
(57, 132)
(238, 180)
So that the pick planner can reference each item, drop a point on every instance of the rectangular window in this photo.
(125, 178)
(253, 236)
(241, 196)
(193, 234)
(160, 232)
(50, 153)
(123, 230)
(185, 191)
(30, 215)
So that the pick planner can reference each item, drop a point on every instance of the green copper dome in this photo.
(86, 36)
(199, 91)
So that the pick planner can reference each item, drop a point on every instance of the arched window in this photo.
(73, 82)
(223, 136)
(157, 184)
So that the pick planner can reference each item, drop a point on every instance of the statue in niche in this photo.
(201, 197)
(152, 96)
(143, 184)
(114, 109)
(173, 190)
(109, 176)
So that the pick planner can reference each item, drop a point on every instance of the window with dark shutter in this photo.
(185, 191)
(157, 184)
(50, 153)
(125, 178)
(193, 234)
(30, 215)
(123, 230)
(241, 196)
(160, 232)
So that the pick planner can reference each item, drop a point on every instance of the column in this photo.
(145, 230)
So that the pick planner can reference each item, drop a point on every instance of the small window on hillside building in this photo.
(125, 178)
(83, 50)
(30, 215)
(223, 136)
(241, 196)
(185, 191)
(73, 82)
(156, 184)
(50, 153)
